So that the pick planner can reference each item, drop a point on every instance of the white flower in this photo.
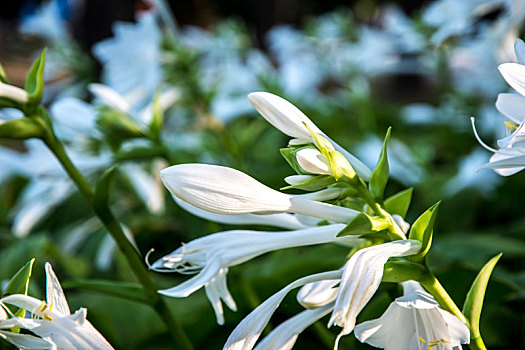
(510, 158)
(13, 93)
(361, 276)
(52, 321)
(224, 190)
(23, 341)
(291, 121)
(211, 256)
(248, 331)
(131, 59)
(414, 321)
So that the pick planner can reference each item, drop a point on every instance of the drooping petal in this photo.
(511, 106)
(54, 293)
(25, 341)
(285, 335)
(225, 190)
(216, 290)
(361, 277)
(248, 331)
(514, 74)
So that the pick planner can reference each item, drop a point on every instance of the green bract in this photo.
(399, 203)
(24, 128)
(34, 85)
(422, 230)
(381, 172)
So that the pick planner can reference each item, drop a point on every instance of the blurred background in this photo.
(354, 67)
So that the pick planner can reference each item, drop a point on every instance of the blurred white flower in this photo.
(361, 276)
(46, 22)
(211, 256)
(52, 321)
(424, 324)
(131, 59)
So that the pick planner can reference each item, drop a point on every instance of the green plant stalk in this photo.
(112, 225)
(432, 285)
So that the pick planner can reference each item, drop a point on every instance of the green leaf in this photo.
(157, 122)
(102, 189)
(402, 270)
(23, 128)
(125, 290)
(475, 296)
(19, 284)
(316, 183)
(3, 76)
(399, 203)
(363, 224)
(422, 230)
(34, 85)
(381, 172)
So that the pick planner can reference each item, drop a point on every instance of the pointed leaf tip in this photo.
(476, 295)
(381, 172)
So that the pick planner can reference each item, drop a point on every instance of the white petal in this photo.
(248, 331)
(298, 179)
(514, 74)
(317, 294)
(519, 49)
(76, 114)
(283, 220)
(361, 276)
(13, 93)
(25, 341)
(512, 106)
(224, 190)
(109, 97)
(54, 293)
(312, 161)
(284, 336)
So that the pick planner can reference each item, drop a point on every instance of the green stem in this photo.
(435, 288)
(477, 344)
(113, 227)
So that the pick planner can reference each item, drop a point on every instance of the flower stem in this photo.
(113, 227)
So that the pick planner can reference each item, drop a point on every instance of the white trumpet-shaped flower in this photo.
(424, 324)
(291, 121)
(225, 190)
(211, 256)
(245, 335)
(52, 321)
(361, 277)
(13, 93)
(22, 341)
(282, 220)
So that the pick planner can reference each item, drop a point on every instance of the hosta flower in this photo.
(291, 121)
(245, 335)
(211, 256)
(317, 294)
(414, 321)
(361, 276)
(23, 341)
(224, 190)
(52, 321)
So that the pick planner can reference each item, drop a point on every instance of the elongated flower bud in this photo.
(224, 190)
(313, 161)
(13, 93)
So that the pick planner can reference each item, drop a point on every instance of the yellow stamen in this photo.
(422, 340)
(511, 126)
(48, 317)
(42, 307)
(51, 306)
